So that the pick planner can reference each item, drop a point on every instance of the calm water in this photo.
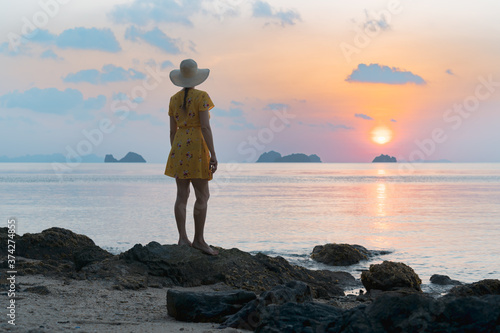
(439, 218)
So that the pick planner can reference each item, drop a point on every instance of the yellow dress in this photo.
(189, 156)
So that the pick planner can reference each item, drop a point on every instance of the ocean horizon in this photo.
(438, 218)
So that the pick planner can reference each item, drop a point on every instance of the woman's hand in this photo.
(213, 163)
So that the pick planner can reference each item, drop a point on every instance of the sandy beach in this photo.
(45, 304)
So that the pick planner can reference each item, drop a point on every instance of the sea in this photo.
(436, 218)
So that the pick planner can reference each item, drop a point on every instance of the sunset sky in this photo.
(346, 80)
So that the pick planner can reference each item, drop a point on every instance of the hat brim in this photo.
(187, 82)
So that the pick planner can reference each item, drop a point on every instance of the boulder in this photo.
(343, 254)
(206, 306)
(339, 254)
(54, 243)
(188, 267)
(306, 317)
(4, 237)
(483, 287)
(443, 280)
(251, 315)
(392, 312)
(391, 276)
(89, 254)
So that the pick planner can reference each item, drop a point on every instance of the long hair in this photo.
(184, 104)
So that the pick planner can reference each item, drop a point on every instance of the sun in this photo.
(381, 135)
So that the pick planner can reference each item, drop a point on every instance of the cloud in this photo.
(95, 103)
(237, 103)
(233, 112)
(155, 37)
(376, 73)
(362, 116)
(166, 63)
(449, 71)
(109, 73)
(77, 38)
(264, 9)
(394, 120)
(374, 21)
(88, 39)
(144, 12)
(124, 97)
(50, 100)
(42, 36)
(134, 116)
(233, 117)
(141, 12)
(12, 52)
(49, 54)
(277, 106)
(327, 125)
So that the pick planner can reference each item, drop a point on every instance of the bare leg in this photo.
(200, 213)
(180, 209)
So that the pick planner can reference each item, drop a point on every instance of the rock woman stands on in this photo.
(192, 158)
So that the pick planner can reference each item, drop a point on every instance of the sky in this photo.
(344, 80)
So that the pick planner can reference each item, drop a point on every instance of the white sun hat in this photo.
(189, 75)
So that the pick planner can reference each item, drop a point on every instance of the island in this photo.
(275, 157)
(384, 159)
(129, 158)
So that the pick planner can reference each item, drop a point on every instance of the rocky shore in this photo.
(65, 282)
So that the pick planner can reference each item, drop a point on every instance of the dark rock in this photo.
(306, 317)
(109, 158)
(483, 287)
(53, 243)
(269, 157)
(41, 290)
(392, 312)
(89, 254)
(338, 254)
(251, 315)
(188, 267)
(343, 254)
(58, 251)
(384, 159)
(4, 237)
(206, 306)
(443, 280)
(391, 276)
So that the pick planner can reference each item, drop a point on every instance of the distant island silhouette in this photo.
(51, 158)
(384, 159)
(129, 158)
(275, 157)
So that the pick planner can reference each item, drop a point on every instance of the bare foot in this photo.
(184, 242)
(205, 248)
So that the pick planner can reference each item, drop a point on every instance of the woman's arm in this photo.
(206, 130)
(173, 129)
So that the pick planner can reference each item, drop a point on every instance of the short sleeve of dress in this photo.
(205, 102)
(171, 107)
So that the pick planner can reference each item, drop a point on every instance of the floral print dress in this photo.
(189, 156)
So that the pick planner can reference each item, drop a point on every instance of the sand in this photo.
(94, 306)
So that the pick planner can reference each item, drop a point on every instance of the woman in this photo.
(192, 157)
